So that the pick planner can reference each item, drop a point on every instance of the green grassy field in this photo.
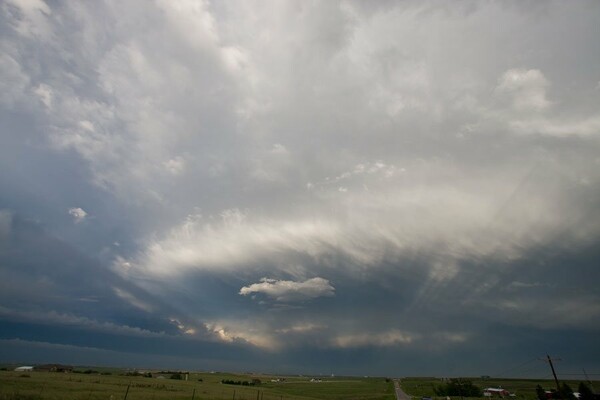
(112, 384)
(78, 386)
(524, 389)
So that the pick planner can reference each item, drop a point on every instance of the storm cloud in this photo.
(306, 184)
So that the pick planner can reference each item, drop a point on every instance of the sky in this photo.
(348, 187)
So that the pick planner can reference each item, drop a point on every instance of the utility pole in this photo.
(549, 360)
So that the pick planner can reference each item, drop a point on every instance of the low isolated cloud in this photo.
(78, 214)
(289, 290)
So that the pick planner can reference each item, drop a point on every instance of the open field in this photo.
(112, 384)
(522, 388)
(79, 386)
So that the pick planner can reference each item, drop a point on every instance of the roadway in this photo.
(400, 395)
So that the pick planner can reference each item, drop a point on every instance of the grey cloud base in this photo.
(322, 187)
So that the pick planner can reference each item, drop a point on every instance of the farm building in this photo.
(24, 368)
(490, 392)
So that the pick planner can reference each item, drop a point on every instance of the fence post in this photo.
(193, 393)
(126, 392)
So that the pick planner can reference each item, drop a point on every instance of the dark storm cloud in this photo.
(317, 183)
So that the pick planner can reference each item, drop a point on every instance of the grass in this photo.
(339, 388)
(111, 384)
(78, 386)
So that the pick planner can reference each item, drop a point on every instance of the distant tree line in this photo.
(253, 382)
(136, 373)
(92, 371)
(87, 371)
(172, 372)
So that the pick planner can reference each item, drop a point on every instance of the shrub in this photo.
(585, 393)
(540, 392)
(566, 392)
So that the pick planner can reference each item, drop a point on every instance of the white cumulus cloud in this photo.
(281, 290)
(78, 214)
(526, 87)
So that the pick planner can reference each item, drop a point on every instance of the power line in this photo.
(534, 369)
(512, 369)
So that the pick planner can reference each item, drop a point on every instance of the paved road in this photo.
(400, 395)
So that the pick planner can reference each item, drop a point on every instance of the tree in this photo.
(566, 392)
(585, 393)
(540, 392)
(459, 387)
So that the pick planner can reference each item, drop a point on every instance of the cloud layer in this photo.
(413, 180)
